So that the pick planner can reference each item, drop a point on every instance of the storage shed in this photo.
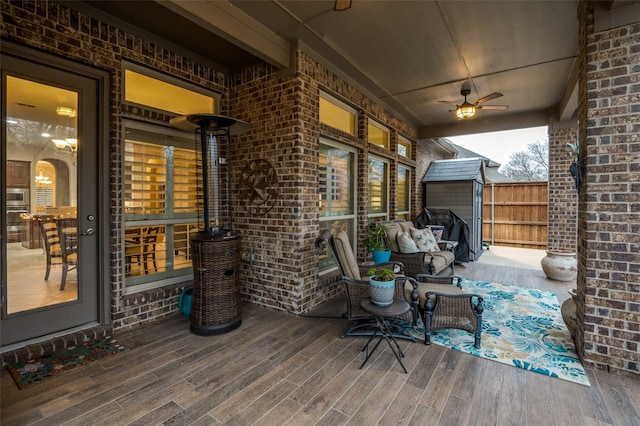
(458, 185)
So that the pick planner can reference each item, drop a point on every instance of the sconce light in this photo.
(574, 168)
(466, 110)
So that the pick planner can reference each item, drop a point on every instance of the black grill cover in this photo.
(455, 229)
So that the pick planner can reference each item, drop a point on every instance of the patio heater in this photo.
(215, 249)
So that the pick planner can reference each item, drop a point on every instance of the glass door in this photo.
(49, 244)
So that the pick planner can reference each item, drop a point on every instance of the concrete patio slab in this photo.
(512, 256)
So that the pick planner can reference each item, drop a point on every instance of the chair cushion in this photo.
(391, 229)
(425, 240)
(423, 288)
(406, 226)
(406, 243)
(347, 259)
(440, 263)
(447, 256)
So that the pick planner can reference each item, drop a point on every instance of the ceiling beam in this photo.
(569, 103)
(230, 23)
(481, 124)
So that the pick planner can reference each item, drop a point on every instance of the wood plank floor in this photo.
(279, 369)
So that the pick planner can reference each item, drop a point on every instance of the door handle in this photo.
(89, 231)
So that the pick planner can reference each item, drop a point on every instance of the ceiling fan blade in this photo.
(449, 102)
(493, 107)
(488, 98)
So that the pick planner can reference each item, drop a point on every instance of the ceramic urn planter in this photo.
(560, 265)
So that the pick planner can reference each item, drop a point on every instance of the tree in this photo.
(529, 165)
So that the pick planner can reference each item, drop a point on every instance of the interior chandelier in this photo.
(66, 146)
(63, 111)
(42, 180)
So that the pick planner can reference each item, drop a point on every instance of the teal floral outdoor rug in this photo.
(36, 371)
(522, 327)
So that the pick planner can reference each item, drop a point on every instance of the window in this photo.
(337, 114)
(404, 193)
(161, 205)
(378, 134)
(336, 193)
(146, 87)
(378, 189)
(404, 147)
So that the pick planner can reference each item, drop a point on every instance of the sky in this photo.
(499, 146)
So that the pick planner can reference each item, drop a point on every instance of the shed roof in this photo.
(460, 169)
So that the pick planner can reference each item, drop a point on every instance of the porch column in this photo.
(609, 205)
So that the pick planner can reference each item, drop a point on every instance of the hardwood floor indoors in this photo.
(283, 369)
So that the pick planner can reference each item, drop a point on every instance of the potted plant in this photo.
(382, 286)
(375, 242)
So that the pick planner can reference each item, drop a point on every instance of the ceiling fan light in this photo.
(341, 5)
(466, 110)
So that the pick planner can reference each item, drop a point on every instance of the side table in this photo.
(396, 309)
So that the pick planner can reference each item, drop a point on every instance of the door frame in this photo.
(102, 79)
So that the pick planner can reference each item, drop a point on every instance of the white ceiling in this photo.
(407, 54)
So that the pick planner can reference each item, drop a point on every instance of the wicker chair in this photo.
(357, 286)
(443, 304)
(421, 262)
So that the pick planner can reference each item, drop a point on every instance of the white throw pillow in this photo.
(406, 243)
(425, 240)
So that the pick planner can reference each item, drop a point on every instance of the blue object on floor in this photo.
(185, 301)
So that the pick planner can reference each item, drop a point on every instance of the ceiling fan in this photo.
(467, 109)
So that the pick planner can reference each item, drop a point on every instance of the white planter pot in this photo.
(560, 265)
(382, 292)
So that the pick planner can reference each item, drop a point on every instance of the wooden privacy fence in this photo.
(515, 214)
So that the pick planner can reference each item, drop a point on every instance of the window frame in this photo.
(402, 141)
(386, 144)
(340, 105)
(404, 214)
(372, 217)
(164, 78)
(168, 220)
(349, 218)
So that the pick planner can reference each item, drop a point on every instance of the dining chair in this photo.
(140, 248)
(149, 241)
(68, 235)
(132, 248)
(49, 231)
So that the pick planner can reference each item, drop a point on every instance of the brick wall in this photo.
(283, 111)
(609, 204)
(562, 210)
